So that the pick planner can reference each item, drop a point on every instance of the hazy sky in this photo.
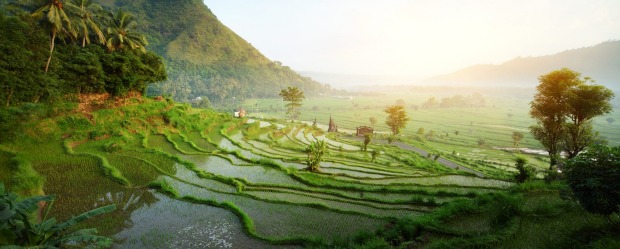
(411, 37)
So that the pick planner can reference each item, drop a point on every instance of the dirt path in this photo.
(424, 153)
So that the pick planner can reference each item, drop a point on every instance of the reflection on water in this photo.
(170, 223)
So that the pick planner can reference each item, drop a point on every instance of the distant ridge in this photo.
(600, 62)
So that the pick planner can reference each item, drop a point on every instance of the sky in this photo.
(414, 38)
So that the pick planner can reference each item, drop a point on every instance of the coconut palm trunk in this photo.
(52, 44)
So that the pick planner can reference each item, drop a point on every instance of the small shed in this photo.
(240, 113)
(364, 130)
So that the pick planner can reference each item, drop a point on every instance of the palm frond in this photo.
(85, 216)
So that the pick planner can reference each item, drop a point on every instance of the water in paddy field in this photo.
(169, 223)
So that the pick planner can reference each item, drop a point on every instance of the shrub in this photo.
(594, 178)
(525, 171)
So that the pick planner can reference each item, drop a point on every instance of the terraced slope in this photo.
(173, 173)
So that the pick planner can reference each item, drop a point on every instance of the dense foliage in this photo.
(18, 226)
(72, 70)
(294, 97)
(564, 107)
(206, 59)
(315, 152)
(594, 177)
(397, 118)
(525, 172)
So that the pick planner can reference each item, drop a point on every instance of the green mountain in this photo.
(204, 58)
(600, 62)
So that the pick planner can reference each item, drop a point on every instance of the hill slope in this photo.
(204, 57)
(600, 62)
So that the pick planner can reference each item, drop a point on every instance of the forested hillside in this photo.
(204, 58)
(80, 60)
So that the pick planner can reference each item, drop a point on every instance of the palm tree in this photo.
(85, 10)
(121, 32)
(53, 15)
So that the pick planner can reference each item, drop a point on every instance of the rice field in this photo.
(206, 180)
(456, 130)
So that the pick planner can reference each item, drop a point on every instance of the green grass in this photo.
(258, 174)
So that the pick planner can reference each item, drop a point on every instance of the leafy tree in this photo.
(397, 118)
(585, 103)
(594, 177)
(367, 139)
(121, 32)
(481, 141)
(373, 121)
(85, 11)
(374, 155)
(315, 151)
(22, 48)
(563, 107)
(524, 172)
(420, 131)
(391, 138)
(131, 71)
(53, 16)
(294, 96)
(430, 135)
(17, 227)
(456, 133)
(516, 138)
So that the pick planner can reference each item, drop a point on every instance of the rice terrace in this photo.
(150, 124)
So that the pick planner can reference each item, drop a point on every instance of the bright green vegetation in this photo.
(31, 72)
(190, 53)
(564, 106)
(206, 59)
(171, 170)
(19, 227)
(455, 130)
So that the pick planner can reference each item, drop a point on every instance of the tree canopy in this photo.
(294, 96)
(74, 69)
(594, 177)
(563, 108)
(516, 138)
(396, 119)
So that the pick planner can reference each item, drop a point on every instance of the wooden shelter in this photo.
(364, 130)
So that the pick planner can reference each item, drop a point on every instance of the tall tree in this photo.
(54, 18)
(367, 139)
(585, 103)
(524, 172)
(397, 118)
(562, 107)
(85, 11)
(121, 32)
(516, 138)
(294, 96)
